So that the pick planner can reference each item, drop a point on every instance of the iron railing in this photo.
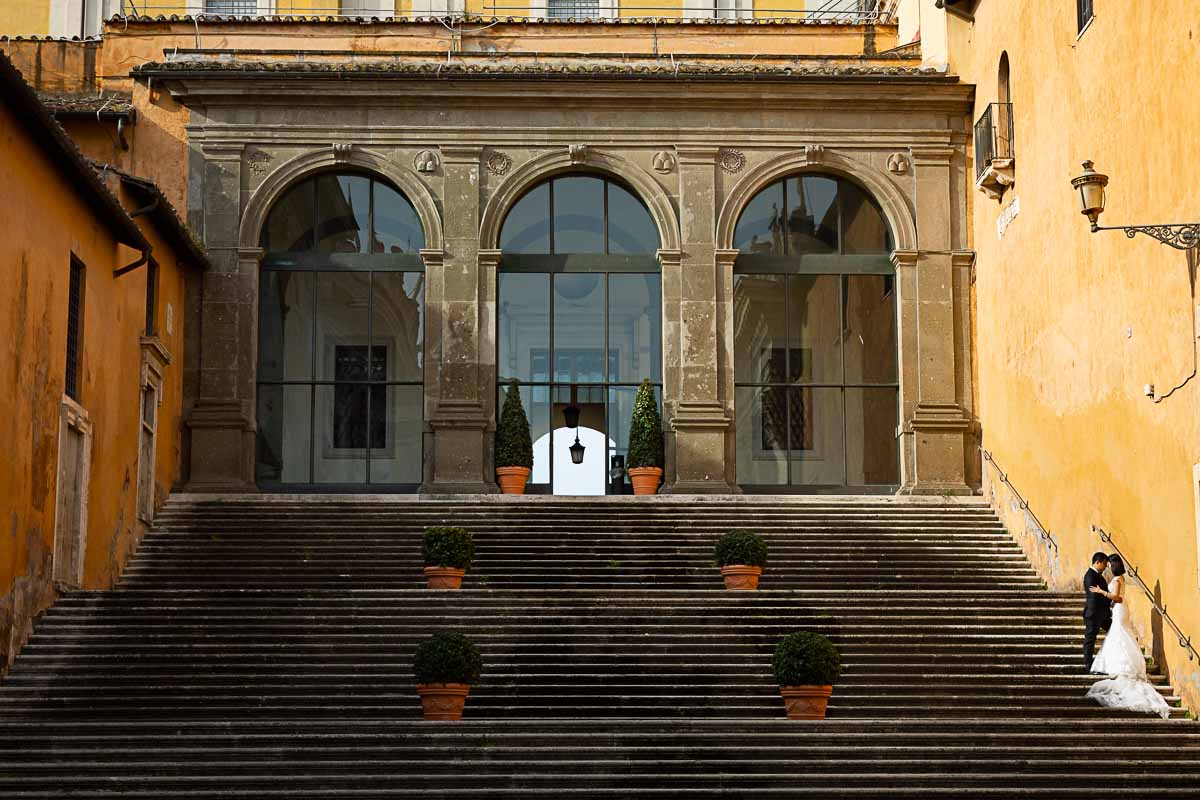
(1043, 531)
(993, 136)
(852, 12)
(1184, 641)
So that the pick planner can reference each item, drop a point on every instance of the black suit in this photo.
(1097, 614)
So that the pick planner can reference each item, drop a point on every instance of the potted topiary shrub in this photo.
(806, 666)
(446, 666)
(741, 555)
(514, 444)
(448, 553)
(645, 459)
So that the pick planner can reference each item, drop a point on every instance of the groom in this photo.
(1097, 611)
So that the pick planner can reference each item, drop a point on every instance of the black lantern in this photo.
(571, 415)
(577, 451)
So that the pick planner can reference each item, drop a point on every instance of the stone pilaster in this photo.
(221, 423)
(700, 419)
(457, 450)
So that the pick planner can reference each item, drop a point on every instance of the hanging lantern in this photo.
(577, 451)
(571, 415)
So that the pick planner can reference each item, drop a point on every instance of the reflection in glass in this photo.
(527, 226)
(578, 215)
(815, 330)
(761, 435)
(285, 324)
(341, 422)
(864, 229)
(634, 327)
(579, 328)
(870, 329)
(760, 332)
(343, 213)
(523, 326)
(812, 215)
(872, 458)
(342, 311)
(398, 229)
(395, 461)
(284, 433)
(818, 450)
(289, 227)
(631, 230)
(398, 321)
(536, 400)
(760, 228)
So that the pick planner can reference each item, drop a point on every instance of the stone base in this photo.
(222, 448)
(699, 464)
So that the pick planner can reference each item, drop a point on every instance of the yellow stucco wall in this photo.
(25, 17)
(1071, 325)
(45, 224)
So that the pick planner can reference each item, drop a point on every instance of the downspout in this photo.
(145, 257)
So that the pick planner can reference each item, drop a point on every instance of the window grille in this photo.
(74, 329)
(231, 7)
(152, 298)
(579, 9)
(1084, 12)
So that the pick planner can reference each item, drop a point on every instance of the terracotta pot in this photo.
(443, 700)
(645, 480)
(512, 479)
(444, 577)
(806, 702)
(741, 576)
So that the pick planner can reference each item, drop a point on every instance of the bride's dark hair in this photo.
(1117, 565)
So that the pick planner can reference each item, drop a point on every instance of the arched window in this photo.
(340, 353)
(1003, 90)
(815, 356)
(579, 321)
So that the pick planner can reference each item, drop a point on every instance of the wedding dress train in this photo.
(1121, 659)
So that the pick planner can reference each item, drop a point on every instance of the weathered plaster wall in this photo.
(45, 224)
(1070, 324)
(25, 17)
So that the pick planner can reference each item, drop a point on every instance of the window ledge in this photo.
(999, 175)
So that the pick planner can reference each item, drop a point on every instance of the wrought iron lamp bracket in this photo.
(1184, 236)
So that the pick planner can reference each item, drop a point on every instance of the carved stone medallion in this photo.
(897, 163)
(425, 162)
(499, 163)
(663, 162)
(732, 161)
(578, 153)
(258, 161)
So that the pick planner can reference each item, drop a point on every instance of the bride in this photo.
(1122, 660)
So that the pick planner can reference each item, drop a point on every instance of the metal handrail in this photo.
(993, 136)
(1043, 531)
(1184, 641)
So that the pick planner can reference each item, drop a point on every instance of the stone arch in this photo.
(896, 207)
(546, 166)
(328, 159)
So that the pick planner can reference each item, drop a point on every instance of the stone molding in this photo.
(896, 206)
(223, 151)
(280, 179)
(540, 168)
(459, 154)
(932, 154)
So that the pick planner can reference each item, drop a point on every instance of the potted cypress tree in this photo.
(806, 666)
(741, 555)
(514, 444)
(446, 666)
(645, 442)
(448, 553)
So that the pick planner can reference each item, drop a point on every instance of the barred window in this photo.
(231, 7)
(74, 328)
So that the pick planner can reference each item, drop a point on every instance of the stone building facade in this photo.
(696, 145)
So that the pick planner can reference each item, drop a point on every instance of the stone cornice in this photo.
(461, 154)
(705, 156)
(905, 258)
(223, 151)
(932, 154)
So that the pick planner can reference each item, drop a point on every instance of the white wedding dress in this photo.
(1121, 659)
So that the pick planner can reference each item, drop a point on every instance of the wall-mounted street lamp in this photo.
(1090, 185)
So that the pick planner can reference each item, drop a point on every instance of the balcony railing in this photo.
(850, 12)
(993, 136)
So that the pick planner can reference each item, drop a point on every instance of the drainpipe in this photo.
(146, 252)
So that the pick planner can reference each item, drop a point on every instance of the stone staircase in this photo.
(261, 647)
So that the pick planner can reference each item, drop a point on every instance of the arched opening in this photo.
(579, 321)
(340, 341)
(1003, 90)
(815, 347)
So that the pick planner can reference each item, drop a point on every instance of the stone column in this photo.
(457, 456)
(700, 422)
(935, 422)
(222, 421)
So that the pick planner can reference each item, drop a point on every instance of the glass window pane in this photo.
(284, 433)
(527, 227)
(579, 328)
(289, 227)
(578, 215)
(634, 328)
(342, 432)
(870, 329)
(760, 333)
(620, 419)
(631, 229)
(817, 432)
(523, 326)
(872, 452)
(398, 322)
(761, 435)
(814, 329)
(864, 229)
(398, 429)
(285, 325)
(812, 222)
(342, 316)
(397, 226)
(536, 400)
(760, 228)
(343, 213)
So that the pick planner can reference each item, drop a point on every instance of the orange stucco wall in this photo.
(45, 224)
(1071, 325)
